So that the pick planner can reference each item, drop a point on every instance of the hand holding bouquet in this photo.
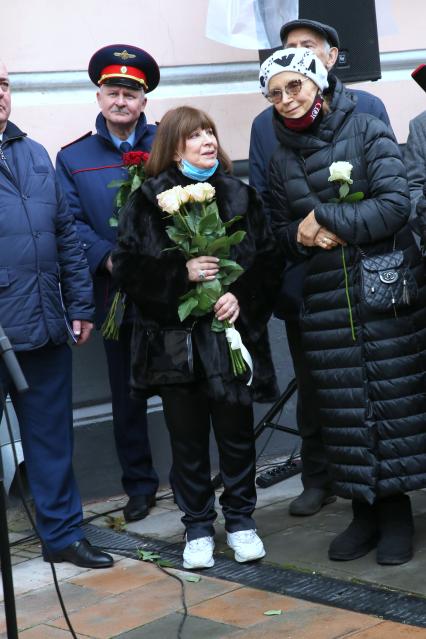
(198, 231)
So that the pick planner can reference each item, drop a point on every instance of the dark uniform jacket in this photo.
(84, 169)
(371, 392)
(39, 249)
(155, 279)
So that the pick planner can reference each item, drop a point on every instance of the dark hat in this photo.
(325, 30)
(124, 65)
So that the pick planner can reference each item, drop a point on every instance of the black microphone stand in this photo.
(15, 372)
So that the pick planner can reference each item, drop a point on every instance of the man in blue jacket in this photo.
(85, 168)
(45, 295)
(324, 41)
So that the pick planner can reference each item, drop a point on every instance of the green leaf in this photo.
(184, 309)
(208, 224)
(334, 200)
(344, 190)
(146, 555)
(189, 577)
(199, 241)
(136, 183)
(176, 236)
(270, 613)
(113, 221)
(193, 221)
(205, 303)
(164, 563)
(220, 246)
(115, 183)
(232, 276)
(231, 222)
(212, 288)
(224, 263)
(354, 197)
(211, 207)
(217, 325)
(236, 237)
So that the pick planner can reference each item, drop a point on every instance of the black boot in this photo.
(360, 536)
(396, 528)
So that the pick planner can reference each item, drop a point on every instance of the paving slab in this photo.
(167, 627)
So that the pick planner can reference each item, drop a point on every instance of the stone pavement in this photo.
(136, 600)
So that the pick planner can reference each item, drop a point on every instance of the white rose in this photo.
(171, 200)
(341, 172)
(200, 192)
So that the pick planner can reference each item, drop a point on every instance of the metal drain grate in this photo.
(381, 602)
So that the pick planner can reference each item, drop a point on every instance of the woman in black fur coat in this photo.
(186, 150)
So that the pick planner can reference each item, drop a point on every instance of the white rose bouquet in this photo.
(198, 230)
(341, 172)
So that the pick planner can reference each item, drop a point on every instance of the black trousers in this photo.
(130, 420)
(314, 471)
(189, 414)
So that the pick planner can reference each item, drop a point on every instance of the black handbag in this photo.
(169, 357)
(386, 282)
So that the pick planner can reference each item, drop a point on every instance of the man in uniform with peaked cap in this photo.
(124, 74)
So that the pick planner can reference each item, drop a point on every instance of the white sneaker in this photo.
(198, 553)
(246, 544)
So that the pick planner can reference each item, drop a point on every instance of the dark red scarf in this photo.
(304, 122)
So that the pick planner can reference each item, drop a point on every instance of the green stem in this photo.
(345, 271)
(237, 360)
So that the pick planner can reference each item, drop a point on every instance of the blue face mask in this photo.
(194, 172)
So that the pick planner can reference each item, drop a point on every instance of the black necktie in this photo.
(125, 147)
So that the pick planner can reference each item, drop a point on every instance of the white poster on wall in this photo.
(249, 24)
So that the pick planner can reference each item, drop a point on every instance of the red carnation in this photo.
(135, 158)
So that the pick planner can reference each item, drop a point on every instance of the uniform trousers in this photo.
(45, 420)
(130, 420)
(314, 461)
(189, 415)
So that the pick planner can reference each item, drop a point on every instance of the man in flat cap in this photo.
(323, 40)
(85, 168)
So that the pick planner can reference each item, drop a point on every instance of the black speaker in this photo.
(356, 24)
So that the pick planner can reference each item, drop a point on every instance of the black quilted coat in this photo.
(370, 392)
(155, 280)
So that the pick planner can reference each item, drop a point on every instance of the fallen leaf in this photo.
(270, 613)
(189, 577)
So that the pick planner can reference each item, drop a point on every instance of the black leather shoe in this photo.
(311, 501)
(80, 553)
(138, 507)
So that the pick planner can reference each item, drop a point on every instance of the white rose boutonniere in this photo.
(341, 172)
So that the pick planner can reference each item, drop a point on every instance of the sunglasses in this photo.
(292, 89)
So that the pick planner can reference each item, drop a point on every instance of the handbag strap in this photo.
(364, 254)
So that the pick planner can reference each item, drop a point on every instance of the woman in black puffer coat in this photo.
(371, 385)
(185, 151)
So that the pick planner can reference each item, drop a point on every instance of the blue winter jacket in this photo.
(263, 143)
(43, 270)
(84, 169)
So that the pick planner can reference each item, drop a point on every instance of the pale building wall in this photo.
(52, 37)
